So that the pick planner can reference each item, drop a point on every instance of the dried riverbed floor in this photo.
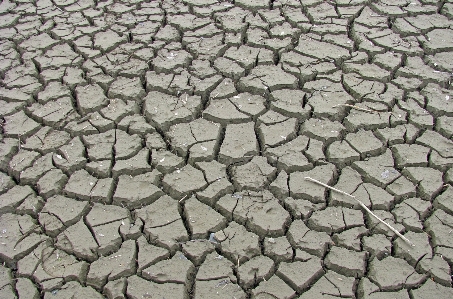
(159, 149)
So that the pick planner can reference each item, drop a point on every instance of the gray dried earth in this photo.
(159, 149)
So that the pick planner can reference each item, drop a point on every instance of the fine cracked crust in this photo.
(161, 149)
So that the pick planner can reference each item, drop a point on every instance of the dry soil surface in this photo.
(159, 149)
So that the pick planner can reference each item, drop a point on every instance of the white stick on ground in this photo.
(363, 206)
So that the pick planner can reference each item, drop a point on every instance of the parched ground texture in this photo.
(159, 149)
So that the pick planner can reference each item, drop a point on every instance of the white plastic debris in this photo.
(212, 238)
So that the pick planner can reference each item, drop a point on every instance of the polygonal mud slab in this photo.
(327, 100)
(346, 262)
(51, 183)
(127, 89)
(224, 112)
(90, 98)
(253, 175)
(84, 186)
(275, 287)
(438, 268)
(369, 290)
(320, 50)
(301, 274)
(350, 238)
(215, 190)
(378, 170)
(137, 191)
(237, 244)
(115, 288)
(178, 270)
(136, 165)
(394, 274)
(46, 140)
(430, 288)
(331, 285)
(438, 100)
(239, 144)
(20, 236)
(165, 161)
(250, 104)
(202, 219)
(407, 213)
(443, 201)
(78, 240)
(436, 141)
(104, 221)
(373, 196)
(401, 187)
(108, 40)
(335, 219)
(266, 78)
(300, 187)
(342, 154)
(279, 187)
(362, 119)
(278, 249)
(259, 212)
(14, 197)
(6, 183)
(438, 225)
(301, 208)
(141, 288)
(410, 155)
(167, 61)
(32, 174)
(365, 143)
(163, 110)
(19, 124)
(149, 254)
(313, 242)
(276, 134)
(185, 136)
(428, 179)
(252, 272)
(55, 266)
(71, 157)
(108, 268)
(60, 212)
(215, 267)
(220, 288)
(126, 146)
(322, 129)
(73, 289)
(247, 56)
(184, 181)
(165, 230)
(26, 289)
(378, 227)
(289, 103)
(197, 250)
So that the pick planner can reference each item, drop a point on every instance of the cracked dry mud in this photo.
(159, 149)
